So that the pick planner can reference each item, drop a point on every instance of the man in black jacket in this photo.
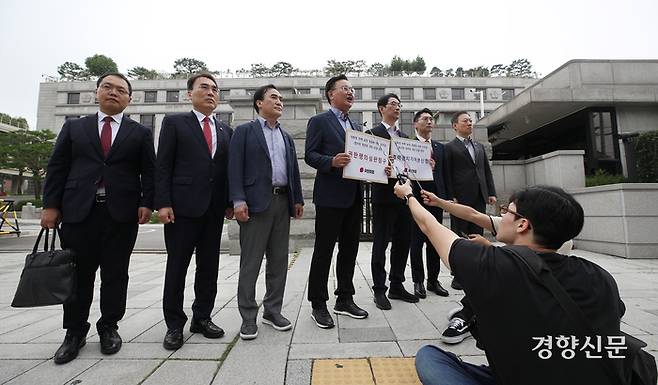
(191, 196)
(99, 184)
(390, 219)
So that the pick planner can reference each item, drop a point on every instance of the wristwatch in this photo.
(406, 198)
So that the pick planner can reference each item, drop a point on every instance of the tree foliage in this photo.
(143, 73)
(646, 147)
(71, 71)
(335, 67)
(281, 68)
(27, 151)
(20, 121)
(187, 66)
(99, 65)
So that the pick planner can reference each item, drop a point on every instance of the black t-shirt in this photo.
(512, 308)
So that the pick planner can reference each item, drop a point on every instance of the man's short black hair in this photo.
(456, 115)
(331, 83)
(423, 111)
(260, 94)
(555, 216)
(193, 78)
(383, 101)
(119, 75)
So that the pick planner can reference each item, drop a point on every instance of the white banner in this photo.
(368, 154)
(412, 158)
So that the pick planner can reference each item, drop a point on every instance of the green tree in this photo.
(259, 70)
(377, 69)
(99, 65)
(497, 70)
(335, 67)
(186, 66)
(72, 71)
(520, 68)
(282, 68)
(20, 121)
(418, 65)
(143, 73)
(397, 65)
(436, 72)
(450, 73)
(27, 151)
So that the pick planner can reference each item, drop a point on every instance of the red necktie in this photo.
(207, 134)
(106, 135)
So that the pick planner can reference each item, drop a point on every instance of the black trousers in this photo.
(389, 221)
(418, 239)
(99, 241)
(182, 238)
(331, 225)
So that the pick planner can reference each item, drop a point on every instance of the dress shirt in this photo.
(392, 130)
(346, 124)
(213, 131)
(469, 146)
(115, 124)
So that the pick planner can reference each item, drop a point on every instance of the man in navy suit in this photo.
(390, 219)
(191, 196)
(423, 124)
(99, 184)
(266, 191)
(338, 205)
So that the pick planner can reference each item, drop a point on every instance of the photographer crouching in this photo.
(527, 335)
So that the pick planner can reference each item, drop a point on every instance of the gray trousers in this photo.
(265, 233)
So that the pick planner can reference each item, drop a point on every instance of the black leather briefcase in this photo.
(49, 276)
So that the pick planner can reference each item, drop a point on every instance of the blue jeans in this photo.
(438, 367)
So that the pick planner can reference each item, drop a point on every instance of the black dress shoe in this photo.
(419, 290)
(382, 302)
(455, 284)
(435, 286)
(207, 327)
(349, 308)
(173, 339)
(70, 348)
(399, 292)
(110, 341)
(322, 318)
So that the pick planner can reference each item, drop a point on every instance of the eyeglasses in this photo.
(206, 88)
(347, 89)
(394, 104)
(106, 87)
(504, 209)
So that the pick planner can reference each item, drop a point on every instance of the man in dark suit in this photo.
(266, 191)
(469, 182)
(423, 124)
(99, 184)
(338, 205)
(191, 196)
(390, 219)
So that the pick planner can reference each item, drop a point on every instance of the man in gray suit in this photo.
(266, 190)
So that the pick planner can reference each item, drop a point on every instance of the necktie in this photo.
(470, 147)
(207, 134)
(106, 135)
(344, 116)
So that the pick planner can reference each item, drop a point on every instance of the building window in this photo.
(457, 93)
(406, 122)
(172, 96)
(67, 117)
(377, 93)
(484, 93)
(406, 93)
(73, 98)
(357, 118)
(303, 91)
(224, 117)
(250, 91)
(223, 94)
(508, 93)
(358, 93)
(150, 96)
(429, 93)
(324, 97)
(147, 120)
(376, 119)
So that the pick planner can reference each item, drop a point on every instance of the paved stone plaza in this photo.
(29, 337)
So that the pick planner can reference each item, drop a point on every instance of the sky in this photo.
(36, 36)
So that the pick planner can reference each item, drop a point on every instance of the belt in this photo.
(279, 190)
(101, 198)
